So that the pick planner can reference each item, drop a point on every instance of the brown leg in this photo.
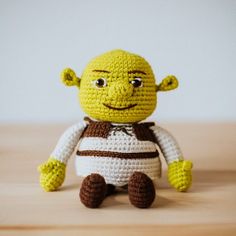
(93, 191)
(141, 190)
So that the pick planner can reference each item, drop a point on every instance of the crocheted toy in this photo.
(114, 148)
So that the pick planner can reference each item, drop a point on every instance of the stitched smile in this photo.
(119, 108)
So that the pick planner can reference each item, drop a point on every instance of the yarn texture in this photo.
(179, 175)
(114, 147)
(119, 70)
(52, 174)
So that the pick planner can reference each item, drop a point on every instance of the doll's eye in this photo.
(137, 82)
(100, 83)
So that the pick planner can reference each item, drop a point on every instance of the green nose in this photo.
(120, 90)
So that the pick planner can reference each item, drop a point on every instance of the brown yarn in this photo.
(136, 71)
(141, 190)
(143, 132)
(96, 128)
(93, 190)
(104, 71)
(122, 155)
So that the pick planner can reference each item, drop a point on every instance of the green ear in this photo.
(168, 83)
(69, 78)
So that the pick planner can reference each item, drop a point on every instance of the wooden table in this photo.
(209, 208)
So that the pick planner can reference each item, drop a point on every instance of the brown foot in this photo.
(93, 191)
(141, 190)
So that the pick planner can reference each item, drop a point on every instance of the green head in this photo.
(118, 86)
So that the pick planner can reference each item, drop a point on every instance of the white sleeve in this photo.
(67, 142)
(168, 145)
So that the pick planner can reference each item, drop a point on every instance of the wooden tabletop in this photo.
(209, 208)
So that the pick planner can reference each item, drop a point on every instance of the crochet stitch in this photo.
(93, 190)
(115, 148)
(141, 190)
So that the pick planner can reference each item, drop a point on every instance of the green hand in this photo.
(52, 174)
(179, 175)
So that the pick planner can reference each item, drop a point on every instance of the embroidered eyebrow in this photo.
(136, 71)
(105, 71)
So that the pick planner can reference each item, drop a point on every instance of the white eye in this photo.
(137, 82)
(100, 83)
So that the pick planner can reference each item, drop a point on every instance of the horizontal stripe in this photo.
(122, 155)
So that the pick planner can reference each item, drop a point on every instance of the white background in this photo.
(194, 40)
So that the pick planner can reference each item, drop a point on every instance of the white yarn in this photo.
(117, 171)
(168, 145)
(68, 142)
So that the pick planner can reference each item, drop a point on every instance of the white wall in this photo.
(195, 40)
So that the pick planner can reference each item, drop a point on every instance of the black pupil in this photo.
(100, 82)
(136, 83)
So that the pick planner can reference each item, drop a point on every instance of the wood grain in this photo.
(208, 208)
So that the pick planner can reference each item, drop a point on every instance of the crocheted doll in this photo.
(114, 147)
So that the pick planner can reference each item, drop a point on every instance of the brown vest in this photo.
(101, 129)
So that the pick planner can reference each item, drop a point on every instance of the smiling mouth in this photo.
(119, 108)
